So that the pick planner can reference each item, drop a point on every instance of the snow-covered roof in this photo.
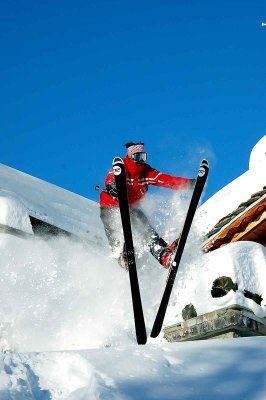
(23, 196)
(226, 200)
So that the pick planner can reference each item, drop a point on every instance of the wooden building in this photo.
(247, 222)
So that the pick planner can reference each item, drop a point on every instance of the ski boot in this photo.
(168, 254)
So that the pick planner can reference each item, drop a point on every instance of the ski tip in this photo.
(118, 166)
(117, 160)
(205, 163)
(203, 169)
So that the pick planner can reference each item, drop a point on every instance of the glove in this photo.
(111, 189)
(191, 183)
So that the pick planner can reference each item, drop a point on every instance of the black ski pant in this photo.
(139, 221)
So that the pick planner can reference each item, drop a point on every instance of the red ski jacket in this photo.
(139, 177)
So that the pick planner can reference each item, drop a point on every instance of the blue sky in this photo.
(81, 78)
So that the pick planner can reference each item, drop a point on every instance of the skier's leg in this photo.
(156, 244)
(109, 216)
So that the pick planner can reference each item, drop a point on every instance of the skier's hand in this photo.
(111, 189)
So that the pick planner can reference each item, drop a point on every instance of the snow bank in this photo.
(214, 369)
(14, 214)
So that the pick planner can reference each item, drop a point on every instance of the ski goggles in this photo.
(142, 156)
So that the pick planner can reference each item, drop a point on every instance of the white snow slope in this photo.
(61, 296)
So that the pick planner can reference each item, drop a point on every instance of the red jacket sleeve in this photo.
(110, 177)
(157, 178)
(105, 199)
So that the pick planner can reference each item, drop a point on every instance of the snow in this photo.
(257, 160)
(51, 204)
(66, 324)
(243, 262)
(237, 191)
(193, 370)
(14, 214)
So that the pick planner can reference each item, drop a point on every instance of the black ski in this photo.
(121, 185)
(200, 182)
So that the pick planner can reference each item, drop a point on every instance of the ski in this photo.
(121, 185)
(197, 192)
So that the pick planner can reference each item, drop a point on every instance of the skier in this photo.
(139, 176)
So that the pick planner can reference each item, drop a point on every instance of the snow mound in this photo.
(257, 160)
(243, 262)
(14, 214)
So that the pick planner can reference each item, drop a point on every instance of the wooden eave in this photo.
(249, 225)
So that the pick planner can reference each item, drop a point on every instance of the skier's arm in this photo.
(110, 185)
(110, 177)
(158, 178)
